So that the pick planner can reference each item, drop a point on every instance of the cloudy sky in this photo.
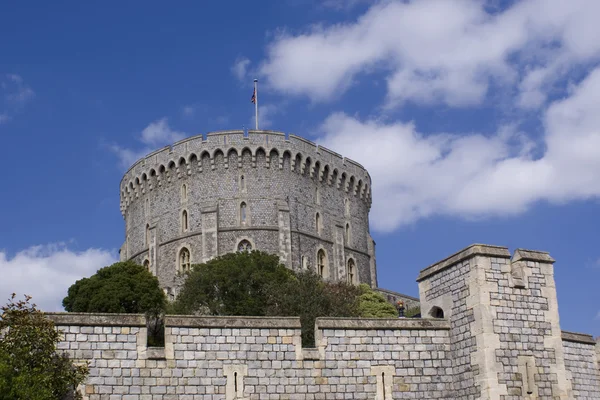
(479, 121)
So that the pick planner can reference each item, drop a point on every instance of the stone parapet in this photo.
(181, 321)
(96, 319)
(382, 324)
(578, 337)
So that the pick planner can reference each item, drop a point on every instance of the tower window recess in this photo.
(243, 212)
(347, 207)
(436, 312)
(147, 264)
(317, 195)
(184, 194)
(243, 183)
(304, 262)
(184, 221)
(318, 223)
(347, 235)
(147, 208)
(351, 272)
(322, 263)
(245, 245)
(184, 260)
(147, 235)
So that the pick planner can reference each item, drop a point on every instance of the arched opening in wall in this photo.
(147, 207)
(147, 237)
(322, 264)
(147, 264)
(184, 221)
(261, 157)
(317, 195)
(347, 207)
(243, 213)
(242, 183)
(347, 235)
(304, 262)
(184, 193)
(318, 223)
(436, 312)
(351, 272)
(184, 260)
(244, 245)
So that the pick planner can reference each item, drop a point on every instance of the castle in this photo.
(490, 328)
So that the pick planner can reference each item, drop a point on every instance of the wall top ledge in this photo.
(532, 255)
(578, 337)
(468, 252)
(190, 321)
(381, 323)
(96, 319)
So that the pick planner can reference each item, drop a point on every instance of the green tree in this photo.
(232, 284)
(309, 297)
(30, 367)
(373, 305)
(123, 287)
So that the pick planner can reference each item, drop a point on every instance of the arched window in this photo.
(351, 272)
(322, 264)
(304, 262)
(244, 245)
(147, 234)
(184, 221)
(147, 208)
(242, 183)
(147, 264)
(436, 312)
(184, 194)
(184, 260)
(347, 235)
(243, 211)
(347, 207)
(317, 196)
(318, 223)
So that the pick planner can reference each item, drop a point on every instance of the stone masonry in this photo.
(205, 196)
(490, 331)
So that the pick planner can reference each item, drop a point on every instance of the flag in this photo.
(253, 99)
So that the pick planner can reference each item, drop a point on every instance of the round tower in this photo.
(207, 196)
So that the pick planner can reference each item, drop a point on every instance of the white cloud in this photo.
(433, 51)
(240, 68)
(416, 176)
(188, 111)
(155, 135)
(46, 272)
(15, 94)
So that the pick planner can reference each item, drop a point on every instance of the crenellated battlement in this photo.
(197, 154)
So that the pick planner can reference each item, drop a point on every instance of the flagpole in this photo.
(256, 102)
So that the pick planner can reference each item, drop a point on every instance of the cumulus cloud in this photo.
(14, 94)
(46, 272)
(417, 176)
(440, 51)
(240, 68)
(155, 135)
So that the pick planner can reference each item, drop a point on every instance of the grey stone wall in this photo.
(268, 172)
(582, 365)
(259, 358)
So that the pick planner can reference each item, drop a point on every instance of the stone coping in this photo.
(190, 321)
(578, 337)
(405, 296)
(382, 323)
(532, 255)
(96, 319)
(468, 252)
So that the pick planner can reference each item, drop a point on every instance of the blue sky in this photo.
(478, 122)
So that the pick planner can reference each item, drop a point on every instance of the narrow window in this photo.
(184, 192)
(383, 383)
(184, 221)
(318, 223)
(304, 262)
(243, 213)
(347, 207)
(147, 234)
(235, 382)
(184, 260)
(147, 208)
(317, 196)
(243, 183)
(321, 264)
(351, 272)
(347, 235)
(244, 245)
(147, 264)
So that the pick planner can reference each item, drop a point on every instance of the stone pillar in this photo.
(338, 269)
(285, 234)
(210, 226)
(504, 315)
(372, 261)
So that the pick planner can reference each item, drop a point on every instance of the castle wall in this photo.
(259, 358)
(582, 364)
(267, 172)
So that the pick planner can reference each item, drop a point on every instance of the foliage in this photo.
(123, 287)
(233, 284)
(30, 367)
(373, 305)
(309, 297)
(412, 312)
